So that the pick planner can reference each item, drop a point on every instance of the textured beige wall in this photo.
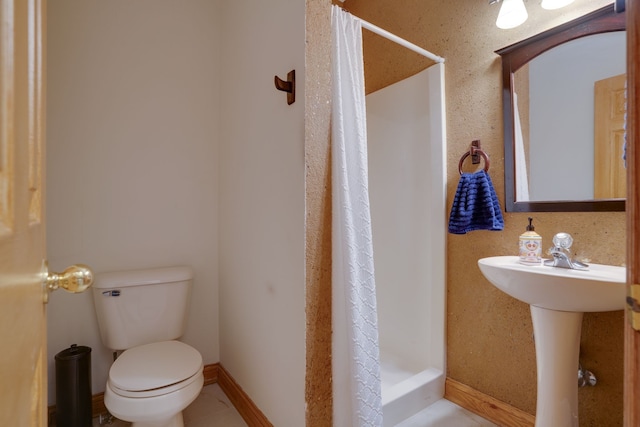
(318, 391)
(489, 334)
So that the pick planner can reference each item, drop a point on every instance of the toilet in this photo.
(142, 313)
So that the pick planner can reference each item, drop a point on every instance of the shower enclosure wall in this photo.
(407, 175)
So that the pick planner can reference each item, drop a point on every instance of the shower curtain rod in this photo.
(402, 42)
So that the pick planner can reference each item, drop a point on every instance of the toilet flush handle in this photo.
(74, 279)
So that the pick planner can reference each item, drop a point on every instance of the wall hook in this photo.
(288, 86)
(475, 157)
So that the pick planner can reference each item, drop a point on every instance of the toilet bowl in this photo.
(143, 312)
(150, 385)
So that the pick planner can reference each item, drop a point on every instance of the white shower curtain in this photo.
(521, 175)
(357, 398)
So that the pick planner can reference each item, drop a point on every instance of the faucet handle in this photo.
(562, 240)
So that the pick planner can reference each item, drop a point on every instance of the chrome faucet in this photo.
(562, 255)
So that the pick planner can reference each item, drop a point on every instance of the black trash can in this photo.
(73, 387)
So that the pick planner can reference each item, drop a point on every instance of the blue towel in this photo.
(475, 205)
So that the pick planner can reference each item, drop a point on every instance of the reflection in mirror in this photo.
(557, 117)
(556, 158)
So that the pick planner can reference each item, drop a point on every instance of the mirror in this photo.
(549, 104)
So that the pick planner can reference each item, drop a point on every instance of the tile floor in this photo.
(445, 414)
(213, 408)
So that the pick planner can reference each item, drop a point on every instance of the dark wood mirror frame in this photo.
(603, 20)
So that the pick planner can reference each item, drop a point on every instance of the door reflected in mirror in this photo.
(570, 103)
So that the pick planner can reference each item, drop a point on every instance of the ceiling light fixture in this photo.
(555, 4)
(512, 13)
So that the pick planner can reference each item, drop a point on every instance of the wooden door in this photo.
(632, 337)
(610, 175)
(22, 244)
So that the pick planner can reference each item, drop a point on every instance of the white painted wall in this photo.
(407, 186)
(168, 144)
(262, 208)
(132, 163)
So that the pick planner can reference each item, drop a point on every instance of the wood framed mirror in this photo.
(534, 185)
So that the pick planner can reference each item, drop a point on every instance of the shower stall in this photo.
(407, 188)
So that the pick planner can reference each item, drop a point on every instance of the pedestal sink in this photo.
(558, 297)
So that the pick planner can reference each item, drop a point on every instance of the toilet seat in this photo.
(155, 369)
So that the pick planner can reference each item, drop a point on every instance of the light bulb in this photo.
(555, 4)
(512, 13)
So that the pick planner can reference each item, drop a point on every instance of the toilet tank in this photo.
(142, 306)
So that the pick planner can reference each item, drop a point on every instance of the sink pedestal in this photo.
(558, 297)
(557, 339)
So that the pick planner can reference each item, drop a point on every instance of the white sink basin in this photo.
(600, 288)
(557, 298)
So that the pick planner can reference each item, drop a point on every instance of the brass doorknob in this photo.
(74, 279)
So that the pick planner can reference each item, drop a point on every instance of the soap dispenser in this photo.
(530, 246)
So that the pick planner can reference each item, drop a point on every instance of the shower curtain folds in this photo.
(357, 398)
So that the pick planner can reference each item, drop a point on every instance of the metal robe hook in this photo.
(288, 86)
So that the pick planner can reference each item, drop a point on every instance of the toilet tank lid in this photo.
(123, 279)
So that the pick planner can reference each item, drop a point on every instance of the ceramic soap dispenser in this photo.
(530, 246)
